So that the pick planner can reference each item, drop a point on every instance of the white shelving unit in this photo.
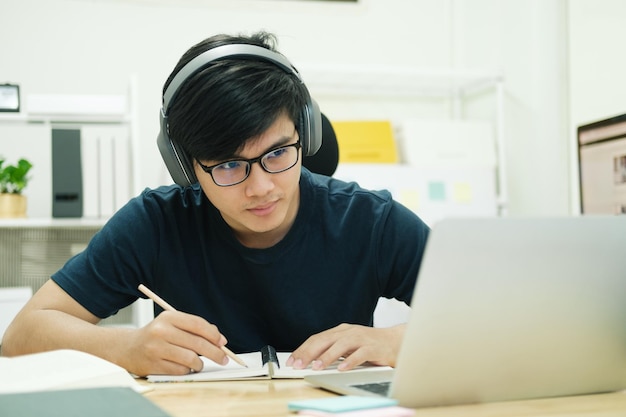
(33, 248)
(386, 82)
(27, 134)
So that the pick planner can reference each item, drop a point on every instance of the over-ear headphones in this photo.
(178, 163)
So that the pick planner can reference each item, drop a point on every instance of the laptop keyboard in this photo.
(380, 388)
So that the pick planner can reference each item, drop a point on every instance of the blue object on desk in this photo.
(341, 404)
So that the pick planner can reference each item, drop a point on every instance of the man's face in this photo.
(262, 208)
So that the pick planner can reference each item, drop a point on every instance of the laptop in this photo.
(510, 309)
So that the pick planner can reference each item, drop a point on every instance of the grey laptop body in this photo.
(508, 309)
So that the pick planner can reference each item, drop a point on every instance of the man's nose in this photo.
(259, 182)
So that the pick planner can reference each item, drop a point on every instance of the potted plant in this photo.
(13, 180)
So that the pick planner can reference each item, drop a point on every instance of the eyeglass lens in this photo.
(233, 172)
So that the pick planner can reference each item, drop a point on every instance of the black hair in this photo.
(218, 109)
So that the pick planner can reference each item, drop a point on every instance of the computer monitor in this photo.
(602, 166)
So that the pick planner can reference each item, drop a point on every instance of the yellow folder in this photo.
(365, 141)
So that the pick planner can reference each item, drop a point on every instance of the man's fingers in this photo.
(322, 349)
(355, 343)
(186, 336)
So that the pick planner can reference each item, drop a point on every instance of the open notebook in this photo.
(264, 364)
(510, 308)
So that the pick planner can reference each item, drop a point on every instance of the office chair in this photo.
(327, 157)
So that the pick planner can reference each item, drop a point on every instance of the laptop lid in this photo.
(514, 308)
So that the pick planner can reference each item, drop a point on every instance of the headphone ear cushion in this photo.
(176, 160)
(327, 157)
(311, 130)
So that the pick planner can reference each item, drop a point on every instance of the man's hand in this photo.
(356, 344)
(171, 344)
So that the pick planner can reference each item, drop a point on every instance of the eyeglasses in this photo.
(237, 170)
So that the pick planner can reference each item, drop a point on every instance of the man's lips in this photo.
(263, 209)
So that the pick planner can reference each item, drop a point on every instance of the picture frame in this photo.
(9, 98)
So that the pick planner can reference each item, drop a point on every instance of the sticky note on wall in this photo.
(410, 199)
(437, 191)
(365, 141)
(462, 192)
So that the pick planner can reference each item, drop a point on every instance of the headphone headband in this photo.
(241, 51)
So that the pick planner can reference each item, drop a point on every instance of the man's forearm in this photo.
(44, 330)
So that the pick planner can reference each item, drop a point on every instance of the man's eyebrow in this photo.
(281, 141)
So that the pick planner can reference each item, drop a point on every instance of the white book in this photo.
(107, 175)
(122, 163)
(90, 166)
(60, 370)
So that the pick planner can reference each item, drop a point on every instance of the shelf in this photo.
(374, 82)
(72, 108)
(21, 223)
(50, 119)
(384, 81)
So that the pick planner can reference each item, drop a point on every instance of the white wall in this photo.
(95, 47)
(597, 67)
(74, 47)
(526, 40)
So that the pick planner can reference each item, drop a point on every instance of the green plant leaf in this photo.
(14, 178)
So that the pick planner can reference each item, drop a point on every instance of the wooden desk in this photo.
(269, 398)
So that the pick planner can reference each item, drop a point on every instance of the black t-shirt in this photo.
(347, 248)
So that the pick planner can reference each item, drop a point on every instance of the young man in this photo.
(251, 249)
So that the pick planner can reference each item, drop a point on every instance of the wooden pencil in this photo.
(165, 306)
